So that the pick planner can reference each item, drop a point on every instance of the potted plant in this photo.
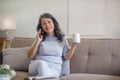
(6, 73)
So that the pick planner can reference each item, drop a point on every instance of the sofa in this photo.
(93, 59)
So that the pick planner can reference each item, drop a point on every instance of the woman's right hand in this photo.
(39, 36)
(32, 50)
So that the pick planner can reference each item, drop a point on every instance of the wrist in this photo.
(38, 41)
(74, 45)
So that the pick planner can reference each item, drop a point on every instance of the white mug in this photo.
(76, 38)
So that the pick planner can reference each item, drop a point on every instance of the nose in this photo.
(47, 24)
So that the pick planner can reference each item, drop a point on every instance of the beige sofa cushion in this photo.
(89, 77)
(97, 56)
(16, 58)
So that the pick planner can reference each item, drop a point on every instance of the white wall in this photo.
(87, 15)
(112, 18)
(27, 12)
(95, 18)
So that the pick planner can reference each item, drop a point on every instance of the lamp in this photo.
(7, 23)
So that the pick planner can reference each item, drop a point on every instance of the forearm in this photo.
(33, 49)
(70, 52)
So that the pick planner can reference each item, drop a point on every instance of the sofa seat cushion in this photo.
(20, 75)
(89, 77)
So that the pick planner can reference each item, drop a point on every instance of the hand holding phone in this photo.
(39, 35)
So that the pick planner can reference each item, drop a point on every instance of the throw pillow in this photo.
(16, 58)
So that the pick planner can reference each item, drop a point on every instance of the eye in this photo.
(43, 23)
(49, 21)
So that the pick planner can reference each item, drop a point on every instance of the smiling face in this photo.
(47, 25)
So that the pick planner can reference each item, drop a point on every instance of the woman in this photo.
(49, 47)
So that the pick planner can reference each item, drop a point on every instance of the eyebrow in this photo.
(47, 20)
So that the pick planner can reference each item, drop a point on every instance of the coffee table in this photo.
(41, 78)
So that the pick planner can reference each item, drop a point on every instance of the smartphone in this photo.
(41, 31)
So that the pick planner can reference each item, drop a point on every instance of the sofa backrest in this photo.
(97, 56)
(91, 55)
(21, 42)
